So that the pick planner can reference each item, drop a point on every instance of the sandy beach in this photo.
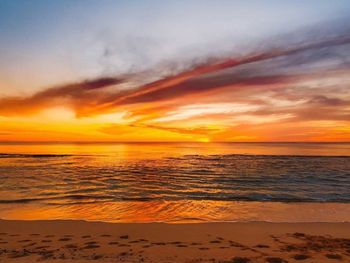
(81, 241)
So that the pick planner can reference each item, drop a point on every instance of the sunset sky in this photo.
(157, 70)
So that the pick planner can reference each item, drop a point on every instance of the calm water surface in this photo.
(175, 182)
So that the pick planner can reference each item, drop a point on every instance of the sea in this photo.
(176, 182)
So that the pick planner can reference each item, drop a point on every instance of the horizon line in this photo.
(131, 142)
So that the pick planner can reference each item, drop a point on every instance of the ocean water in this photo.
(175, 182)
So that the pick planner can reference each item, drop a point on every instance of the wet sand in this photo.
(81, 241)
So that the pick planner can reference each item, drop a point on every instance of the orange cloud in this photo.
(76, 93)
(271, 95)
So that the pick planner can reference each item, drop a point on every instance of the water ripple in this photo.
(44, 178)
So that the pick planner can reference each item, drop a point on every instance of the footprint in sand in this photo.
(71, 246)
(30, 245)
(85, 236)
(46, 255)
(91, 243)
(24, 241)
(262, 246)
(42, 247)
(96, 257)
(91, 246)
(19, 254)
(62, 256)
(124, 237)
(239, 260)
(297, 234)
(65, 239)
(174, 243)
(134, 241)
(123, 254)
(235, 244)
(275, 260)
(300, 256)
(334, 256)
(158, 243)
(182, 245)
(123, 245)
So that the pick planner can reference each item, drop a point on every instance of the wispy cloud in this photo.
(75, 95)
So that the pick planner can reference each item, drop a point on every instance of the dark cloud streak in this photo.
(263, 68)
(76, 92)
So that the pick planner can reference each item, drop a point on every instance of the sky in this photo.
(206, 71)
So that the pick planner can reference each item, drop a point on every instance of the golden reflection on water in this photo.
(184, 212)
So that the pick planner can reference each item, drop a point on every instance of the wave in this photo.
(95, 199)
(16, 155)
(224, 177)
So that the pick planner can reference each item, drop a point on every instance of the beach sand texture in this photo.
(81, 241)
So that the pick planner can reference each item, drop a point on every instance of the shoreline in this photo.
(204, 211)
(83, 241)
